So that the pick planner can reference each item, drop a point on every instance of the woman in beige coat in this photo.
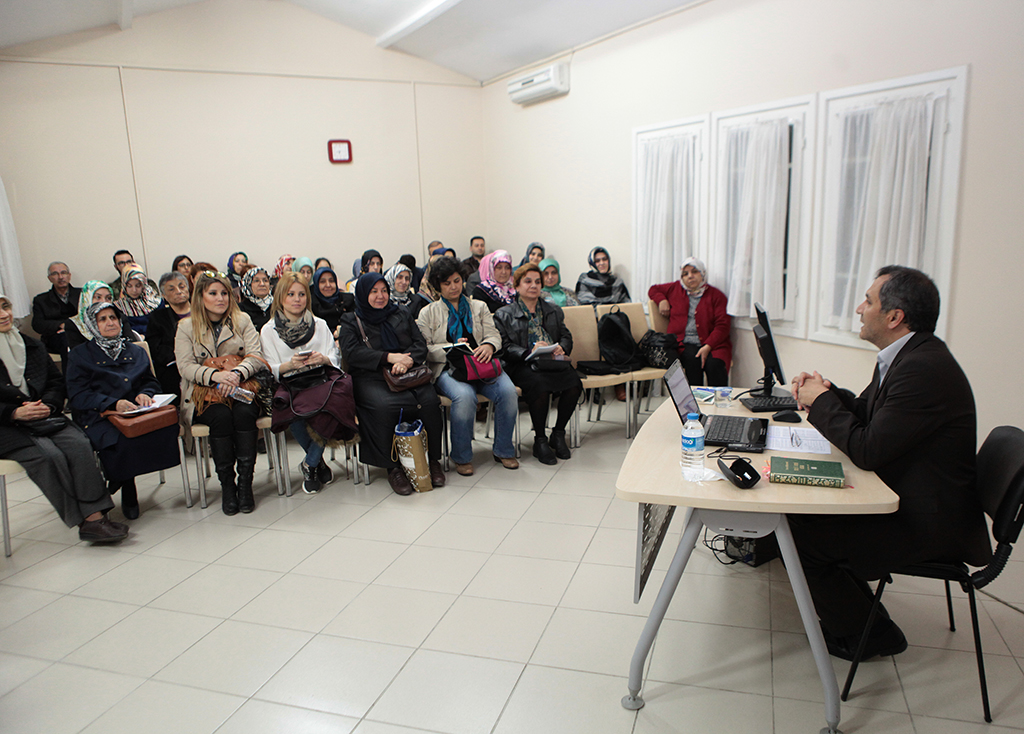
(218, 328)
(454, 319)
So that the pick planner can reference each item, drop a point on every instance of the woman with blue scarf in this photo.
(454, 319)
(380, 336)
(329, 302)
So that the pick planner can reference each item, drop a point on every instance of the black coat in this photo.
(515, 330)
(44, 381)
(363, 361)
(258, 315)
(163, 325)
(49, 312)
(332, 313)
(479, 294)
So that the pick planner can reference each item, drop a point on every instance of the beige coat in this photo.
(239, 337)
(433, 322)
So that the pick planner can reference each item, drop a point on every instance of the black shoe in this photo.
(261, 446)
(324, 473)
(101, 531)
(557, 442)
(399, 482)
(542, 451)
(310, 480)
(437, 477)
(885, 639)
(129, 500)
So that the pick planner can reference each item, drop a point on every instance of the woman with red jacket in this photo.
(696, 315)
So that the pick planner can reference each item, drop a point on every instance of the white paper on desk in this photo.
(802, 440)
(537, 351)
(159, 401)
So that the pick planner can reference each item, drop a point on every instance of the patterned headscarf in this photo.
(283, 263)
(699, 265)
(503, 292)
(84, 301)
(111, 345)
(246, 288)
(231, 262)
(145, 304)
(391, 276)
(597, 287)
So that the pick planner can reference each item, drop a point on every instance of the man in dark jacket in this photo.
(915, 426)
(477, 250)
(49, 309)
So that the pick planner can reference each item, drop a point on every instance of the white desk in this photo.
(651, 474)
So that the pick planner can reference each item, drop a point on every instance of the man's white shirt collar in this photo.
(887, 355)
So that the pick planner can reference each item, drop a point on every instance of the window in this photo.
(890, 155)
(669, 190)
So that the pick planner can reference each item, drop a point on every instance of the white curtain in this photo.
(12, 277)
(666, 209)
(883, 192)
(752, 220)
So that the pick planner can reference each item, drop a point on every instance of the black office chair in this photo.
(1001, 491)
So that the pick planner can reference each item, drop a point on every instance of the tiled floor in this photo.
(501, 603)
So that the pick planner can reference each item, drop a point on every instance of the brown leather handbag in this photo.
(413, 377)
(140, 424)
(202, 395)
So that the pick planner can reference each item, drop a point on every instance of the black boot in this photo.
(222, 448)
(557, 442)
(245, 455)
(129, 500)
(542, 450)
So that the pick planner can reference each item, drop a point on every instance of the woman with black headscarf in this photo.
(382, 336)
(329, 303)
(110, 373)
(600, 284)
(370, 262)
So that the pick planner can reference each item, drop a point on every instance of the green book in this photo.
(813, 472)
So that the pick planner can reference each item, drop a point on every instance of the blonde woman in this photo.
(292, 339)
(218, 328)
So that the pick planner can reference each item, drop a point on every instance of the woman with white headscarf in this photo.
(696, 315)
(58, 458)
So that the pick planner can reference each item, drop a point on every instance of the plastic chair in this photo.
(638, 327)
(6, 467)
(446, 404)
(1000, 484)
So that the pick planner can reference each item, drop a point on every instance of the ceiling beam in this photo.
(417, 20)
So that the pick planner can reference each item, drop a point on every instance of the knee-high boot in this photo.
(245, 451)
(222, 448)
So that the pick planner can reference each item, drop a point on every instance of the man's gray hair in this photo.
(167, 277)
(56, 262)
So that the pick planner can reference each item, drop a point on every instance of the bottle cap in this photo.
(692, 416)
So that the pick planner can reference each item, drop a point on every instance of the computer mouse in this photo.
(787, 416)
(741, 473)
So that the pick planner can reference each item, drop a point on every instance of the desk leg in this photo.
(810, 619)
(668, 588)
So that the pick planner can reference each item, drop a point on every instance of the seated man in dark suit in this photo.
(49, 309)
(915, 426)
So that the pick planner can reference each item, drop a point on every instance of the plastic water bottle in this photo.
(247, 396)
(692, 461)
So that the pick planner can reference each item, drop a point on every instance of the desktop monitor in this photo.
(769, 354)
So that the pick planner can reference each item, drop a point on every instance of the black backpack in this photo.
(615, 340)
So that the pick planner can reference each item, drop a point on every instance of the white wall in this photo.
(561, 171)
(203, 130)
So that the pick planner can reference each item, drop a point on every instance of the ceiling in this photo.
(482, 39)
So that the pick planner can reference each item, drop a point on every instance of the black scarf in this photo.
(376, 316)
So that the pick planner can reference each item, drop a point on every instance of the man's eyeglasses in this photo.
(59, 272)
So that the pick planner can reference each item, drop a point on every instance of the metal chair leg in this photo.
(864, 636)
(5, 519)
(978, 653)
(197, 445)
(445, 448)
(163, 479)
(949, 608)
(184, 472)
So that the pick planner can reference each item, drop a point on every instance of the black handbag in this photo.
(546, 363)
(42, 427)
(659, 350)
(304, 378)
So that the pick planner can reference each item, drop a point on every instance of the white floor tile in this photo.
(151, 529)
(433, 569)
(620, 514)
(450, 693)
(216, 591)
(568, 509)
(25, 554)
(274, 550)
(300, 602)
(16, 669)
(63, 699)
(610, 589)
(926, 725)
(568, 641)
(336, 675)
(464, 532)
(529, 580)
(163, 708)
(69, 569)
(390, 524)
(263, 717)
(351, 559)
(716, 711)
(552, 701)
(379, 727)
(486, 502)
(62, 627)
(321, 518)
(140, 580)
(1009, 623)
(801, 717)
(547, 540)
(17, 602)
(144, 642)
(531, 476)
(575, 481)
(391, 615)
(489, 628)
(927, 621)
(203, 542)
(236, 658)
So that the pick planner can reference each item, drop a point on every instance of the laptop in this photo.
(738, 433)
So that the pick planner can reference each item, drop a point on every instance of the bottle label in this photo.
(693, 443)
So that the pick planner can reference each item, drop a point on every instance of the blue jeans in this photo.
(314, 451)
(501, 392)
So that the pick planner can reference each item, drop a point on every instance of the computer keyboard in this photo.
(726, 429)
(768, 403)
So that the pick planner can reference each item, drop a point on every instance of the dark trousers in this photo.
(225, 421)
(713, 367)
(63, 467)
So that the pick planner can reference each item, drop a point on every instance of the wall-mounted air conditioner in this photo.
(551, 81)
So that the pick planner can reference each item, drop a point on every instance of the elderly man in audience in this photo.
(52, 307)
(163, 325)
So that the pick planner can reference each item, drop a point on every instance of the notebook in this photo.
(736, 432)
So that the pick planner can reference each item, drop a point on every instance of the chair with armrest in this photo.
(1000, 486)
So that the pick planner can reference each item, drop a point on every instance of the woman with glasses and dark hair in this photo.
(218, 328)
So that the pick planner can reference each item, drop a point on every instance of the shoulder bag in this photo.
(413, 377)
(140, 424)
(464, 367)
